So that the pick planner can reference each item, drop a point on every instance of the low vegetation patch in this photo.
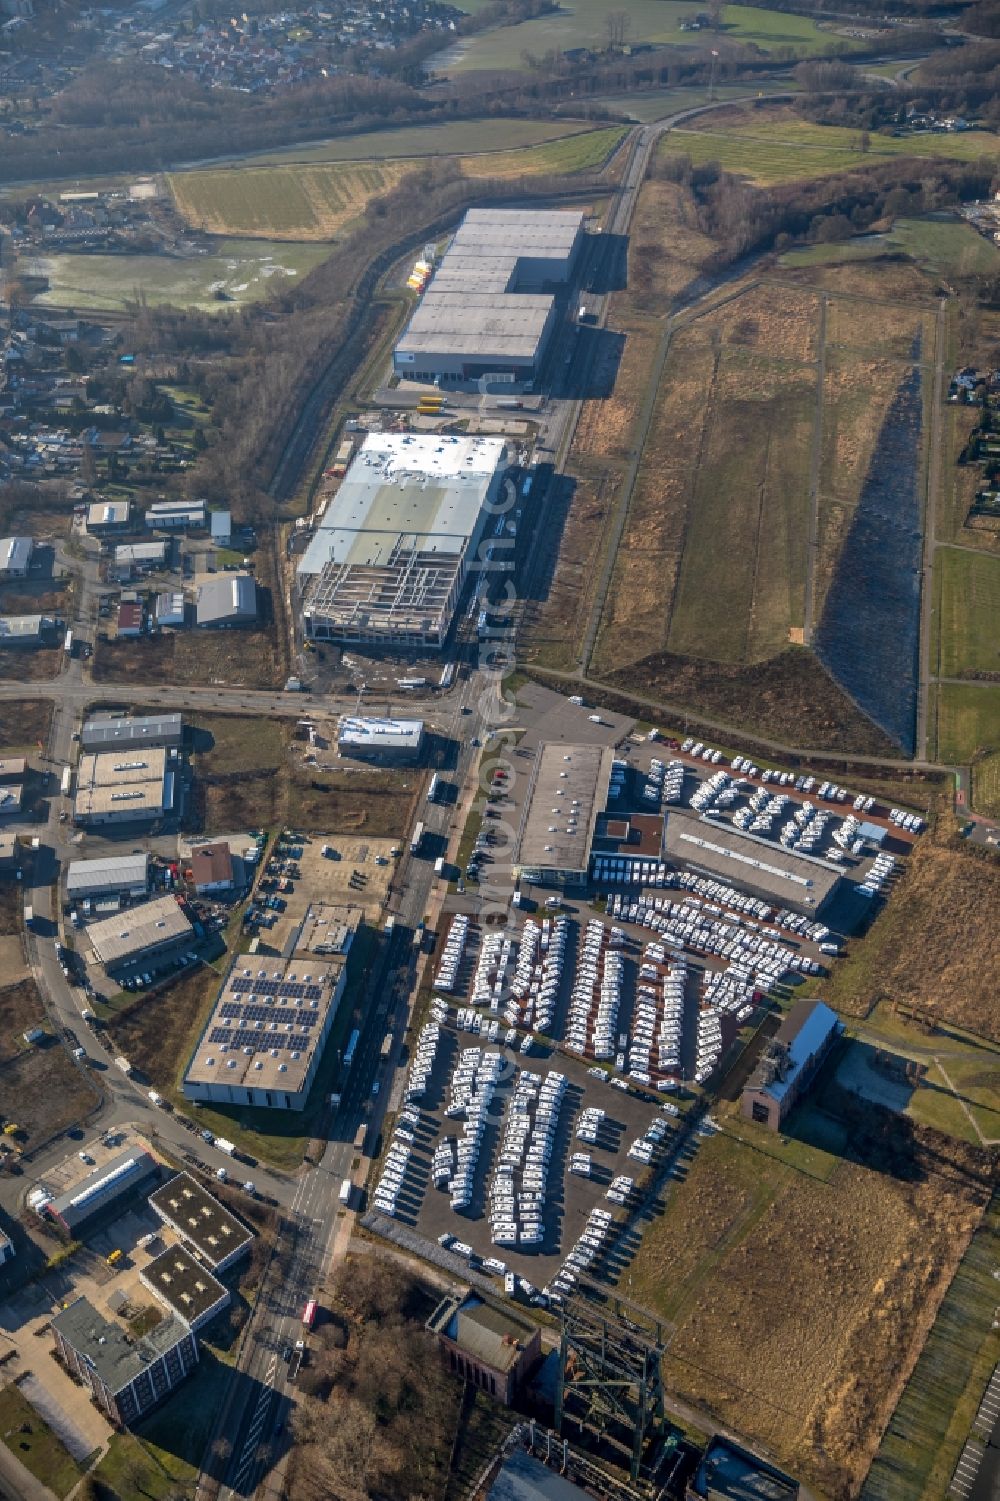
(935, 947)
(800, 1283)
(33, 1443)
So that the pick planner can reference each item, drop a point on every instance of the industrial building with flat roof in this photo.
(114, 875)
(153, 928)
(217, 1237)
(184, 1286)
(387, 740)
(140, 555)
(99, 1189)
(124, 785)
(15, 556)
(264, 1038)
(803, 882)
(174, 515)
(228, 600)
(128, 1376)
(115, 734)
(567, 791)
(26, 630)
(107, 516)
(485, 312)
(789, 1063)
(387, 563)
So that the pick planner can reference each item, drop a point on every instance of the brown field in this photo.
(781, 321)
(45, 1092)
(666, 253)
(949, 894)
(637, 615)
(791, 698)
(604, 427)
(157, 1032)
(800, 1301)
(882, 327)
(20, 1010)
(31, 664)
(24, 724)
(250, 774)
(239, 659)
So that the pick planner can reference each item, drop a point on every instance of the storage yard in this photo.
(563, 1060)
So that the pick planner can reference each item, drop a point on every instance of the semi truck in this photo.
(345, 1191)
(416, 838)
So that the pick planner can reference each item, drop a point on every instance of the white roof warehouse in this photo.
(116, 874)
(388, 561)
(485, 313)
(124, 786)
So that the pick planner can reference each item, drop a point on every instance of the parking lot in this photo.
(352, 873)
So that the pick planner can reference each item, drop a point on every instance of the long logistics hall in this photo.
(486, 315)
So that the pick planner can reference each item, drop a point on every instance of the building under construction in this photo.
(387, 563)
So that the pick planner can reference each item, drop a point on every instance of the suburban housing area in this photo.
(499, 752)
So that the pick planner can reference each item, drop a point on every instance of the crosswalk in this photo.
(248, 1454)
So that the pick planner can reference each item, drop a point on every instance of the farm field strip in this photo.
(968, 720)
(968, 595)
(786, 148)
(316, 201)
(656, 21)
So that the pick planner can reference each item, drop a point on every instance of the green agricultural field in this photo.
(968, 598)
(648, 105)
(238, 270)
(446, 139)
(286, 203)
(986, 785)
(317, 201)
(968, 720)
(583, 23)
(576, 153)
(778, 147)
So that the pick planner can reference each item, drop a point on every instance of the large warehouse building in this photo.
(567, 792)
(264, 1038)
(150, 930)
(486, 314)
(388, 561)
(805, 883)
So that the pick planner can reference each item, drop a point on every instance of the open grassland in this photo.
(800, 1281)
(943, 245)
(968, 720)
(646, 105)
(286, 203)
(935, 946)
(968, 586)
(771, 144)
(298, 200)
(582, 23)
(237, 271)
